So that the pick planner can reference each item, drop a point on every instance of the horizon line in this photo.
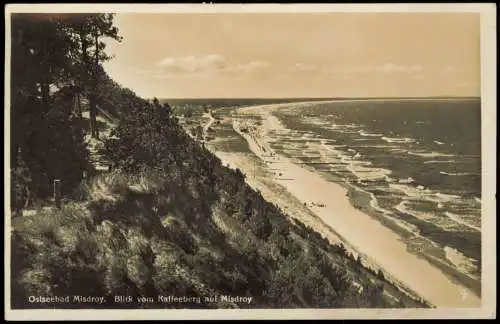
(319, 98)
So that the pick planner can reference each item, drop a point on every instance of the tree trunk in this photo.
(87, 81)
(93, 115)
(79, 106)
(45, 92)
(93, 96)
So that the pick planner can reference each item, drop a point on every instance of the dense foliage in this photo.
(55, 64)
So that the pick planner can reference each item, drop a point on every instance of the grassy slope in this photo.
(164, 233)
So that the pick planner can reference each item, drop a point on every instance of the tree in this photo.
(50, 65)
(39, 52)
(39, 66)
(380, 274)
(89, 30)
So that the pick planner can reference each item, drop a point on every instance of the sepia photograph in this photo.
(250, 161)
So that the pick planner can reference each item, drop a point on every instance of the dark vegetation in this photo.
(55, 73)
(169, 219)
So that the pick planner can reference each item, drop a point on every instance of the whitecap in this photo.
(389, 179)
(379, 146)
(425, 194)
(439, 161)
(363, 133)
(456, 218)
(407, 180)
(439, 143)
(457, 173)
(398, 150)
(410, 191)
(343, 126)
(307, 135)
(398, 139)
(402, 207)
(446, 197)
(367, 174)
(429, 154)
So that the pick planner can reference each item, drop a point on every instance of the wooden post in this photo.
(79, 106)
(57, 193)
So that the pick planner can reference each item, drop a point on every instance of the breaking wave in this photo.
(363, 133)
(398, 139)
(457, 173)
(456, 218)
(439, 161)
(429, 154)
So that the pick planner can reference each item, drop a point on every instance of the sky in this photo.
(265, 55)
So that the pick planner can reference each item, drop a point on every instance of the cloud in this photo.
(216, 65)
(347, 70)
(208, 65)
(249, 67)
(302, 67)
(396, 68)
(341, 76)
(355, 72)
(448, 71)
(191, 64)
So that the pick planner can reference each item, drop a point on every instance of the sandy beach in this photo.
(325, 207)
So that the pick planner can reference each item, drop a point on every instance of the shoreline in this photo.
(455, 275)
(402, 266)
(277, 194)
(464, 279)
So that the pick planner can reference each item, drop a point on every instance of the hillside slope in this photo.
(171, 220)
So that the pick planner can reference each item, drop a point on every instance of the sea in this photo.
(413, 164)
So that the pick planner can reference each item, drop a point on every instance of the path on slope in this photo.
(98, 162)
(207, 125)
